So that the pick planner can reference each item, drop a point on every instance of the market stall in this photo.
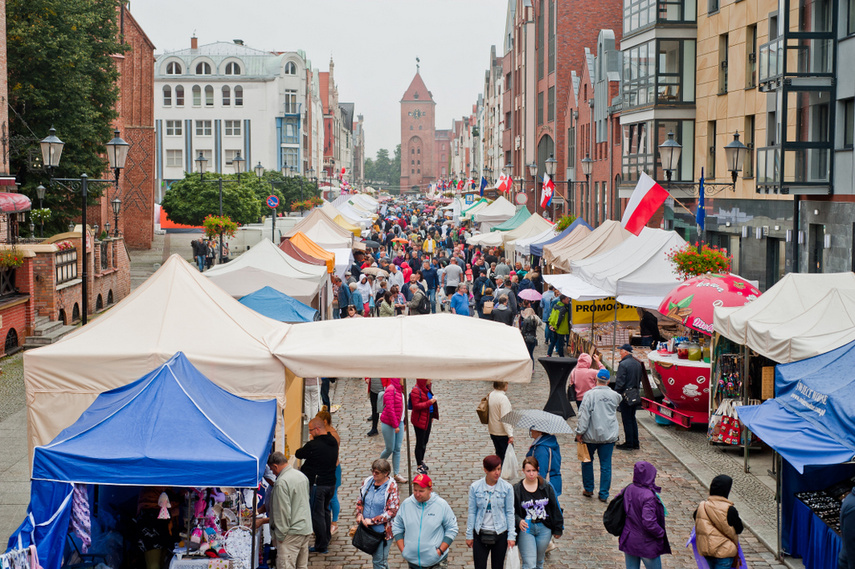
(322, 230)
(279, 306)
(468, 213)
(519, 217)
(534, 225)
(302, 242)
(111, 445)
(537, 246)
(497, 212)
(522, 246)
(559, 255)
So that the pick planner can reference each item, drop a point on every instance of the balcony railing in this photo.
(771, 65)
(769, 166)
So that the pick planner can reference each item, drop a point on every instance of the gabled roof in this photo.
(417, 91)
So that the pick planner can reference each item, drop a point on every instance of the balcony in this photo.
(808, 61)
(771, 65)
(804, 171)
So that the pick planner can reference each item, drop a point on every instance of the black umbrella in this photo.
(372, 244)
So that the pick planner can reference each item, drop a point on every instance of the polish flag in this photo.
(646, 198)
(500, 182)
(548, 191)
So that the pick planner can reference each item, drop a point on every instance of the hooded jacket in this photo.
(717, 523)
(548, 454)
(393, 404)
(424, 526)
(583, 377)
(422, 415)
(644, 533)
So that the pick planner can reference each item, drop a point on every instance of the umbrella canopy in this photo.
(376, 271)
(372, 244)
(694, 301)
(530, 294)
(400, 240)
(538, 420)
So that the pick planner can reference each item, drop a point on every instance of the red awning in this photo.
(14, 203)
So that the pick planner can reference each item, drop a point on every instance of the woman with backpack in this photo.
(643, 539)
(424, 410)
(529, 323)
(486, 304)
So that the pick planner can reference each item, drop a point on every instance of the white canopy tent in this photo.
(535, 225)
(470, 212)
(495, 213)
(575, 288)
(637, 272)
(801, 316)
(522, 247)
(322, 230)
(486, 239)
(574, 247)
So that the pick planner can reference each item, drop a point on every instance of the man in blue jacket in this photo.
(431, 280)
(425, 527)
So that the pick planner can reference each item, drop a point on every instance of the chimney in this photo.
(194, 43)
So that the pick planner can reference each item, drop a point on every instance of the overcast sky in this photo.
(374, 44)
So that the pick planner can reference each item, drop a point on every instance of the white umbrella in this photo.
(538, 420)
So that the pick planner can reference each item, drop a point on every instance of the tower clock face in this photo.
(417, 114)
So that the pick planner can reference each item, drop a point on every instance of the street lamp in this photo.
(40, 192)
(117, 207)
(734, 154)
(532, 171)
(259, 170)
(117, 154)
(107, 227)
(202, 164)
(669, 154)
(238, 164)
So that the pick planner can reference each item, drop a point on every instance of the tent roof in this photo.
(176, 309)
(248, 280)
(279, 306)
(332, 212)
(496, 212)
(322, 230)
(521, 215)
(341, 221)
(292, 251)
(537, 246)
(119, 439)
(486, 240)
(471, 207)
(575, 288)
(268, 257)
(470, 348)
(608, 235)
(523, 245)
(802, 315)
(637, 271)
(305, 244)
(478, 206)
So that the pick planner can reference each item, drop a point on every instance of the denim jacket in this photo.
(502, 502)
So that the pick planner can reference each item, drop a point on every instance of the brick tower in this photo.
(418, 133)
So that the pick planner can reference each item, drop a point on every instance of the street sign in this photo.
(470, 199)
(521, 199)
(272, 201)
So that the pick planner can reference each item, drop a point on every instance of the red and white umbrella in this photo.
(694, 301)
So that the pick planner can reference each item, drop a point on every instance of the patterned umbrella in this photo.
(538, 420)
(694, 301)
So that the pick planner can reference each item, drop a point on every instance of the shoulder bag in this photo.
(483, 410)
(367, 540)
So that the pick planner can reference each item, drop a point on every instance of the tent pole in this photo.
(779, 483)
(593, 314)
(253, 563)
(745, 439)
(614, 335)
(407, 429)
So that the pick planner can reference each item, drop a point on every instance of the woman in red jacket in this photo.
(392, 424)
(425, 410)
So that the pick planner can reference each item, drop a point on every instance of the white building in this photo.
(224, 98)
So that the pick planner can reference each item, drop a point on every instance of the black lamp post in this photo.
(202, 164)
(40, 192)
(117, 207)
(587, 168)
(532, 171)
(117, 154)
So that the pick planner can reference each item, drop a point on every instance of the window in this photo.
(203, 68)
(639, 75)
(227, 96)
(711, 140)
(751, 57)
(419, 151)
(571, 146)
(208, 155)
(748, 140)
(232, 128)
(848, 122)
(230, 156)
(290, 156)
(173, 128)
(712, 6)
(203, 128)
(173, 68)
(722, 58)
(197, 96)
(850, 20)
(551, 53)
(209, 96)
(412, 170)
(412, 162)
(412, 150)
(232, 68)
(238, 96)
(167, 96)
(550, 104)
(508, 81)
(541, 34)
(291, 131)
(675, 73)
(540, 108)
(179, 96)
(290, 68)
(290, 101)
(173, 158)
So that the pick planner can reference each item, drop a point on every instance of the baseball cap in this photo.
(604, 374)
(626, 347)
(423, 480)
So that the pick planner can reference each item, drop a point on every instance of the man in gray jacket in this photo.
(597, 427)
(290, 515)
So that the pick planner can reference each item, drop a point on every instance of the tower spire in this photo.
(417, 64)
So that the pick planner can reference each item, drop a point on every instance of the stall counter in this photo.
(685, 383)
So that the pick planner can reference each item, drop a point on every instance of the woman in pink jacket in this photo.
(583, 376)
(392, 424)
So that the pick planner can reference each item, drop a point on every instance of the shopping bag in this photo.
(702, 561)
(582, 452)
(512, 558)
(511, 466)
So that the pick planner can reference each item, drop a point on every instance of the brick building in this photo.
(418, 137)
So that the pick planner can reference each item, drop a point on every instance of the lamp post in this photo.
(259, 171)
(202, 164)
(117, 154)
(40, 192)
(550, 164)
(532, 171)
(587, 168)
(117, 207)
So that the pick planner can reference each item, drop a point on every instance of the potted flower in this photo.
(694, 260)
(10, 259)
(40, 215)
(215, 225)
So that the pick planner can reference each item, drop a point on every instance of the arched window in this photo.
(232, 68)
(209, 96)
(419, 151)
(290, 68)
(173, 68)
(179, 95)
(413, 162)
(238, 96)
(412, 150)
(197, 96)
(203, 68)
(167, 95)
(227, 96)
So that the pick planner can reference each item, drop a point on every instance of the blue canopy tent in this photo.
(279, 306)
(172, 427)
(537, 248)
(811, 424)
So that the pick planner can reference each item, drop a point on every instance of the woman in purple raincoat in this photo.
(644, 539)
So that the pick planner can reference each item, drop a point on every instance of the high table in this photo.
(558, 370)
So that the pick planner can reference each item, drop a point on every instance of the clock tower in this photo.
(418, 134)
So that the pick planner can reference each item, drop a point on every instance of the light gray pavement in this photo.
(458, 443)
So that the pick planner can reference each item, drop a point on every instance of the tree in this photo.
(396, 166)
(188, 201)
(286, 189)
(61, 73)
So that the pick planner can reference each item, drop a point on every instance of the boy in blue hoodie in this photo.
(425, 527)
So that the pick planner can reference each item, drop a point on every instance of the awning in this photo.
(14, 203)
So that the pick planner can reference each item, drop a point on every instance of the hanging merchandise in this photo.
(20, 559)
(729, 372)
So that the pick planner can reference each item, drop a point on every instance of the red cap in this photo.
(423, 480)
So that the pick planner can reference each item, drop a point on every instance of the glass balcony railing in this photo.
(769, 166)
(771, 64)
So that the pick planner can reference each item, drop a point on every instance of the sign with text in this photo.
(603, 311)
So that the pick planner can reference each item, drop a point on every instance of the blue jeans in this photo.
(432, 299)
(393, 444)
(604, 452)
(559, 341)
(633, 562)
(532, 544)
(200, 262)
(720, 562)
(335, 507)
(547, 335)
(380, 559)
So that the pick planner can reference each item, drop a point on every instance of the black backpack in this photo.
(614, 518)
(424, 305)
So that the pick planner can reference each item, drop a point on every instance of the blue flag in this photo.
(483, 185)
(701, 214)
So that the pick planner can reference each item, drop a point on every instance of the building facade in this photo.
(418, 137)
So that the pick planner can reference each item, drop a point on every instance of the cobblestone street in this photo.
(459, 442)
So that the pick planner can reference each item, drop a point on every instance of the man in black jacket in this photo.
(319, 456)
(630, 374)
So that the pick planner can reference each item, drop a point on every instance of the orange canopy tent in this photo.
(306, 245)
(291, 250)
